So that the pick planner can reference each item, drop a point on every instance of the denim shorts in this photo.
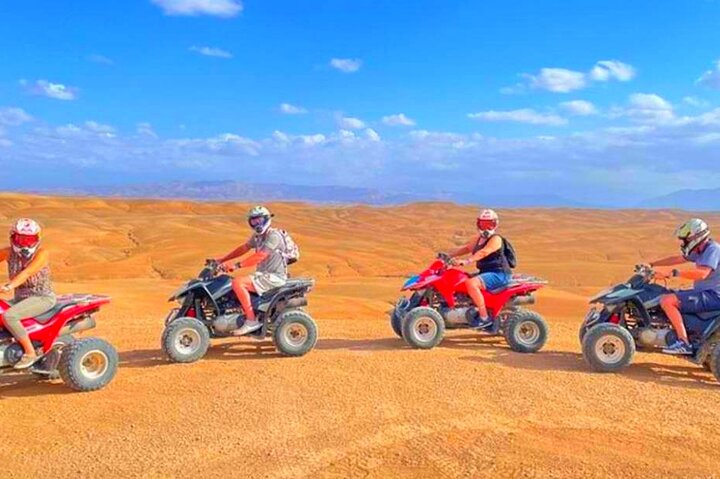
(693, 301)
(495, 280)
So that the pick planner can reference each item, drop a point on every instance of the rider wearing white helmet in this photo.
(487, 250)
(696, 247)
(29, 277)
(271, 269)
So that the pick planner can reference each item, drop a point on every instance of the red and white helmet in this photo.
(25, 237)
(487, 222)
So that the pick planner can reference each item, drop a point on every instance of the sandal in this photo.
(26, 361)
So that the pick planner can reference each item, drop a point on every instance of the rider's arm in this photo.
(463, 250)
(492, 246)
(237, 252)
(254, 259)
(42, 259)
(669, 261)
(698, 274)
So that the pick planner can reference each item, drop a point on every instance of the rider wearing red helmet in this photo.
(487, 250)
(29, 277)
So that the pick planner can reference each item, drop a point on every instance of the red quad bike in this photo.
(85, 364)
(440, 301)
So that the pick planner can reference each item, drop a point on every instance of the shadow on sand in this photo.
(682, 375)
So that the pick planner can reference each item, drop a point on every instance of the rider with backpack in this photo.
(494, 257)
(274, 251)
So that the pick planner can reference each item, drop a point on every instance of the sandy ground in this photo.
(361, 404)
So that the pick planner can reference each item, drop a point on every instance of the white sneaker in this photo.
(248, 327)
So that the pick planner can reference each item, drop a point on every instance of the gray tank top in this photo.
(39, 284)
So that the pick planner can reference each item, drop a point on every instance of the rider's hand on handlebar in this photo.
(6, 288)
(460, 262)
(661, 275)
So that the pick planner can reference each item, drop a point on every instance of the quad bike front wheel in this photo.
(396, 322)
(608, 348)
(423, 328)
(525, 331)
(295, 333)
(185, 340)
(88, 364)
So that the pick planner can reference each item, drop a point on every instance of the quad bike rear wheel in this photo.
(423, 328)
(714, 362)
(525, 331)
(608, 347)
(88, 364)
(295, 333)
(185, 340)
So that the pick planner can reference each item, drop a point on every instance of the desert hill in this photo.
(361, 404)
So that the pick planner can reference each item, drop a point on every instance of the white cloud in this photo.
(14, 116)
(579, 108)
(217, 8)
(524, 115)
(649, 108)
(145, 129)
(372, 135)
(398, 120)
(562, 80)
(99, 128)
(289, 109)
(350, 123)
(606, 70)
(346, 65)
(57, 91)
(711, 78)
(101, 59)
(558, 80)
(695, 102)
(211, 52)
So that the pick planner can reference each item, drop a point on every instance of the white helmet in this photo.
(25, 237)
(259, 218)
(487, 222)
(692, 234)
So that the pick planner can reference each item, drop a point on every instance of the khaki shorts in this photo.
(264, 282)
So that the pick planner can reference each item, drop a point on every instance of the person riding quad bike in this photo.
(272, 266)
(489, 250)
(696, 247)
(29, 277)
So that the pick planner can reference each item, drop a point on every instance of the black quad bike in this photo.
(628, 316)
(209, 309)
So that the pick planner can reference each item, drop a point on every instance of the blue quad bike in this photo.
(628, 316)
(208, 308)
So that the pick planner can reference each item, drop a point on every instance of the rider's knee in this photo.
(669, 300)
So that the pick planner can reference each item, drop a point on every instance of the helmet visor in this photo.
(486, 225)
(257, 221)
(25, 241)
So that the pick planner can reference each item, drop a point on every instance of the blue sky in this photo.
(612, 101)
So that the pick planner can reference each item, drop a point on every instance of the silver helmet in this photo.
(692, 234)
(259, 218)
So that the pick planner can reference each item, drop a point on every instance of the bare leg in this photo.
(242, 287)
(474, 288)
(671, 305)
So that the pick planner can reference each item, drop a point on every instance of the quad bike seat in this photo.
(708, 315)
(59, 306)
(291, 283)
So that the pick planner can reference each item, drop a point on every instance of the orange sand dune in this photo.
(362, 404)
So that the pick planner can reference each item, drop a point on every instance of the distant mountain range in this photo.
(246, 192)
(698, 200)
(694, 200)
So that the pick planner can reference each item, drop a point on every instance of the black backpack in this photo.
(509, 253)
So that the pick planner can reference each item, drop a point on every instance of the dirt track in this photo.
(361, 404)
